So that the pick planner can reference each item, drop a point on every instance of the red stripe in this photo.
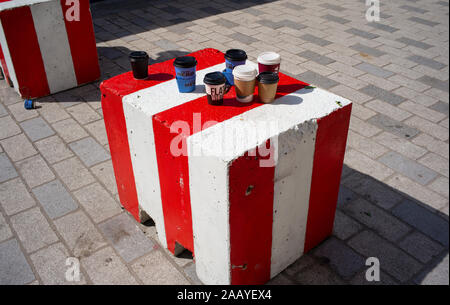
(4, 66)
(329, 153)
(251, 190)
(82, 43)
(174, 171)
(113, 91)
(25, 52)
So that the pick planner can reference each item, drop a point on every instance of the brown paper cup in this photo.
(267, 92)
(244, 88)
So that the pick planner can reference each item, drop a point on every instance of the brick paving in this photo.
(58, 196)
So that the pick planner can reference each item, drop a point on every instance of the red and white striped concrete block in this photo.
(244, 222)
(43, 51)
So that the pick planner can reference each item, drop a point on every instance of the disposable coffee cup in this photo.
(244, 82)
(233, 58)
(185, 73)
(139, 64)
(269, 61)
(267, 86)
(215, 87)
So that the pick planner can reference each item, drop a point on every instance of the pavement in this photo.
(58, 197)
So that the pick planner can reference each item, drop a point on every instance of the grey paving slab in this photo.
(35, 171)
(346, 195)
(374, 70)
(37, 129)
(434, 82)
(18, 147)
(414, 43)
(383, 27)
(333, 7)
(423, 21)
(345, 226)
(423, 220)
(437, 274)
(3, 111)
(243, 38)
(293, 6)
(441, 107)
(123, 233)
(89, 151)
(315, 40)
(55, 199)
(414, 9)
(395, 127)
(421, 247)
(313, 56)
(14, 197)
(317, 79)
(421, 60)
(7, 170)
(15, 269)
(367, 50)
(8, 127)
(409, 168)
(336, 19)
(361, 33)
(5, 231)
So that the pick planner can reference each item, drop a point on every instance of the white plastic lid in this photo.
(245, 72)
(269, 58)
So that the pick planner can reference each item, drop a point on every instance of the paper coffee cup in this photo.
(234, 58)
(267, 86)
(244, 82)
(185, 73)
(215, 87)
(269, 61)
(139, 64)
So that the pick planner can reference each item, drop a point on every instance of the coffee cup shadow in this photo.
(159, 76)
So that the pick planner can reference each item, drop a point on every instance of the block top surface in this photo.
(11, 4)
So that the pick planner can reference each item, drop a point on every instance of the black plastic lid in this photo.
(235, 55)
(268, 77)
(214, 78)
(138, 55)
(185, 62)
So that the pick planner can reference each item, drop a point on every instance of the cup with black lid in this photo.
(233, 58)
(215, 87)
(139, 64)
(185, 67)
(267, 86)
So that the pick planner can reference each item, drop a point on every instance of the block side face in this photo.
(5, 59)
(23, 46)
(145, 167)
(208, 181)
(251, 215)
(292, 184)
(116, 131)
(327, 167)
(51, 33)
(82, 43)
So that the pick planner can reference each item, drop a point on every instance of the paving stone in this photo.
(192, 275)
(413, 9)
(440, 185)
(332, 7)
(344, 226)
(15, 268)
(97, 129)
(366, 67)
(421, 247)
(317, 79)
(428, 127)
(414, 43)
(341, 258)
(345, 196)
(291, 24)
(409, 168)
(315, 40)
(225, 23)
(18, 147)
(423, 220)
(318, 275)
(423, 21)
(7, 170)
(336, 19)
(383, 27)
(14, 197)
(364, 164)
(20, 113)
(364, 145)
(97, 202)
(441, 107)
(5, 231)
(3, 111)
(434, 82)
(300, 264)
(105, 268)
(124, 235)
(423, 111)
(320, 59)
(69, 130)
(89, 151)
(392, 260)
(52, 112)
(80, 234)
(105, 173)
(280, 279)
(421, 60)
(400, 145)
(83, 113)
(35, 171)
(435, 275)
(361, 33)
(37, 129)
(53, 149)
(50, 264)
(360, 279)
(395, 127)
(155, 269)
(54, 198)
(293, 6)
(33, 229)
(8, 127)
(383, 95)
(436, 163)
(372, 190)
(73, 173)
(432, 144)
(243, 38)
(367, 50)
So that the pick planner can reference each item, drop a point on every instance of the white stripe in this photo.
(18, 3)
(139, 107)
(294, 118)
(292, 184)
(8, 60)
(54, 45)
